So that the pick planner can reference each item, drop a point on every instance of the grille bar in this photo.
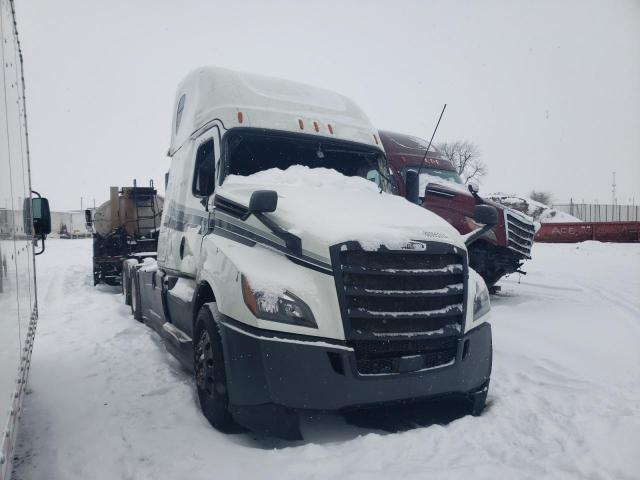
(524, 225)
(448, 270)
(448, 311)
(515, 230)
(453, 289)
(517, 233)
(519, 242)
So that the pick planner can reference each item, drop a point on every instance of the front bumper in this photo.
(307, 373)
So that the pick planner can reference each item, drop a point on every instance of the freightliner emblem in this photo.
(415, 246)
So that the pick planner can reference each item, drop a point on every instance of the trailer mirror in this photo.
(485, 214)
(412, 187)
(41, 216)
(263, 201)
(88, 217)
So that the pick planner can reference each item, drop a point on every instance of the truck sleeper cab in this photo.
(289, 282)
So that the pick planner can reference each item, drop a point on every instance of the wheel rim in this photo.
(205, 378)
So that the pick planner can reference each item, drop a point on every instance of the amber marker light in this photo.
(249, 297)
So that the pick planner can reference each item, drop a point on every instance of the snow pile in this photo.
(538, 211)
(149, 265)
(106, 401)
(327, 207)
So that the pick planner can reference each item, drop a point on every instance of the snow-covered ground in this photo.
(106, 401)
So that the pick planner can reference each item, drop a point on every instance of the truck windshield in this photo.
(437, 176)
(250, 152)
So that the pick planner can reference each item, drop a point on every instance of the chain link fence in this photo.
(589, 212)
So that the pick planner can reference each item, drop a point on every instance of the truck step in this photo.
(175, 333)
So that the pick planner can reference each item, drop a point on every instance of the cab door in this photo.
(186, 217)
(196, 214)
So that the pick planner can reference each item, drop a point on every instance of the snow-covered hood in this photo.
(324, 207)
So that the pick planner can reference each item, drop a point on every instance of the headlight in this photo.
(284, 308)
(481, 303)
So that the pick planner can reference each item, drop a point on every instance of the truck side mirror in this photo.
(473, 188)
(88, 218)
(263, 201)
(485, 214)
(41, 216)
(412, 187)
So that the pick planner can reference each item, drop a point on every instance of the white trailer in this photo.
(288, 281)
(20, 220)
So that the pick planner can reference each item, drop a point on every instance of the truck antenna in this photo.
(433, 135)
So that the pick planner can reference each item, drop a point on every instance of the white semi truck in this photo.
(288, 277)
(22, 219)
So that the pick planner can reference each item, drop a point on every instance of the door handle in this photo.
(182, 242)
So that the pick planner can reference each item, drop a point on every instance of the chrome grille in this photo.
(520, 232)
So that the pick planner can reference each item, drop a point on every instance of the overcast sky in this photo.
(549, 90)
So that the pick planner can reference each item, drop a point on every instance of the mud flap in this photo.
(478, 399)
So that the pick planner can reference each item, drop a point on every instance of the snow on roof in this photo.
(538, 211)
(210, 93)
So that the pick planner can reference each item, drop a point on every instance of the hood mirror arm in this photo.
(266, 201)
(473, 236)
(292, 241)
(473, 190)
(485, 215)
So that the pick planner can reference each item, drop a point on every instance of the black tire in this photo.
(136, 304)
(126, 283)
(211, 381)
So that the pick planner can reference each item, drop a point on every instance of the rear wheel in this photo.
(126, 283)
(211, 380)
(136, 306)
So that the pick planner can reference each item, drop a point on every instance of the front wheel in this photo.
(211, 380)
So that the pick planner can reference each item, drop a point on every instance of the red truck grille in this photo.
(520, 234)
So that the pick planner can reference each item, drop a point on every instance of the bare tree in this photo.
(542, 197)
(465, 157)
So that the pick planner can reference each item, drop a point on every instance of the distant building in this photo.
(72, 223)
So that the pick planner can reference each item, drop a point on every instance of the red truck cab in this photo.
(500, 251)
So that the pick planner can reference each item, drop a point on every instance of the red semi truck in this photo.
(501, 250)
